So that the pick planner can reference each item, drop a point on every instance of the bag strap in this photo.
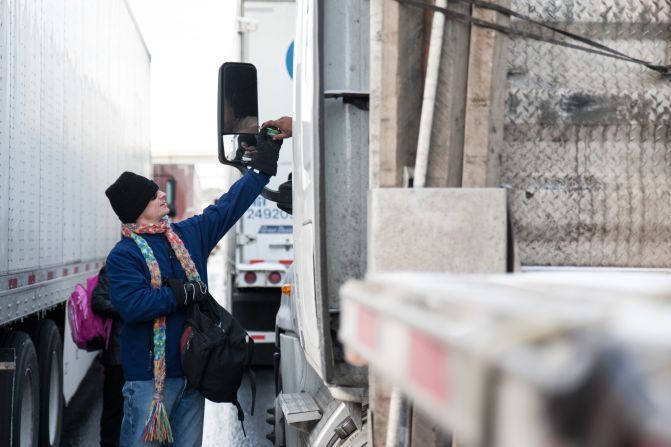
(252, 376)
(241, 416)
(252, 384)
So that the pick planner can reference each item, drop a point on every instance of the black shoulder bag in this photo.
(216, 352)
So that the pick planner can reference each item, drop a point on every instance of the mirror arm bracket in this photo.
(276, 196)
(357, 99)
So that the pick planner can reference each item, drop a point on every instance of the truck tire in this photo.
(20, 394)
(49, 347)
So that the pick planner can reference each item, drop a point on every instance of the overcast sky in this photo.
(187, 46)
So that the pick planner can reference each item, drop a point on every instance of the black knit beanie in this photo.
(129, 195)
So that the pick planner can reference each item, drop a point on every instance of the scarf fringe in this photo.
(158, 424)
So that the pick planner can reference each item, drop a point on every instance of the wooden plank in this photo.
(379, 394)
(447, 135)
(485, 101)
(395, 89)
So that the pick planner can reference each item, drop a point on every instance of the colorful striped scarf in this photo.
(158, 423)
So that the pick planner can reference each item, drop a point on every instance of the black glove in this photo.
(187, 292)
(267, 153)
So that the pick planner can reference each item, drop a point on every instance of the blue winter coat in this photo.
(139, 304)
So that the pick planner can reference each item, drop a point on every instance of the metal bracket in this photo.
(246, 25)
(300, 410)
(7, 359)
(244, 239)
(286, 246)
(357, 99)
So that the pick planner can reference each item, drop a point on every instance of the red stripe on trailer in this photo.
(258, 337)
(31, 279)
(286, 261)
(367, 327)
(13, 283)
(255, 261)
(427, 365)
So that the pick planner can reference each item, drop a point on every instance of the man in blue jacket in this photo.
(155, 271)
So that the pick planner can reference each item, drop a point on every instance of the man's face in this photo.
(156, 209)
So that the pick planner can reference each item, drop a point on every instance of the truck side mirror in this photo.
(237, 110)
(238, 120)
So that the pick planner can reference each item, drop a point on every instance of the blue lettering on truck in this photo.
(275, 229)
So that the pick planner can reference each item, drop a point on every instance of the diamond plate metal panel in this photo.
(586, 138)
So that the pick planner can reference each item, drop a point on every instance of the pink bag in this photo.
(89, 331)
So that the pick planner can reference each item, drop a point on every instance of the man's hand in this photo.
(187, 292)
(285, 124)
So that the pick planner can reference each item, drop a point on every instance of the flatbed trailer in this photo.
(551, 358)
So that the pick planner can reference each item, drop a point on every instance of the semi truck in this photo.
(74, 110)
(181, 184)
(468, 137)
(261, 249)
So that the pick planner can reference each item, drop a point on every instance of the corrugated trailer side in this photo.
(74, 114)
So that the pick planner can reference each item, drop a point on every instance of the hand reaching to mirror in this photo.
(284, 124)
(265, 154)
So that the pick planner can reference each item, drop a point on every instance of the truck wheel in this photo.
(49, 347)
(20, 393)
(356, 439)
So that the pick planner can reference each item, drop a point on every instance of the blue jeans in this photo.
(185, 406)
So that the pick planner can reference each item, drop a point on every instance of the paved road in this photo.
(81, 423)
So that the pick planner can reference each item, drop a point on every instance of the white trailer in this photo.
(74, 114)
(263, 245)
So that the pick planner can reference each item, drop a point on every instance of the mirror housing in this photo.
(237, 106)
(238, 99)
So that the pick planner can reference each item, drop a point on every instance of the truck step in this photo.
(300, 410)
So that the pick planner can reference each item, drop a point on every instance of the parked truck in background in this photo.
(74, 109)
(484, 151)
(262, 247)
(181, 184)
